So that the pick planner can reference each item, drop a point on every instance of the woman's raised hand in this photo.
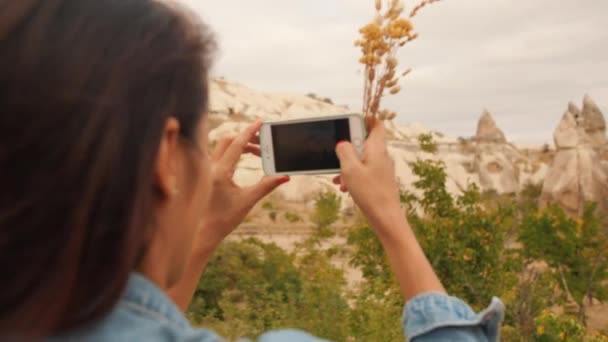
(229, 203)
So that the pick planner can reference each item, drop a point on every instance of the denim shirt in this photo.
(145, 313)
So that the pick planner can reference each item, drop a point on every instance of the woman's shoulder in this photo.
(127, 323)
(144, 313)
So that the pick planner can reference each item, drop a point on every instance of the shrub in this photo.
(273, 216)
(251, 287)
(268, 205)
(427, 144)
(327, 209)
(292, 217)
(575, 249)
(551, 327)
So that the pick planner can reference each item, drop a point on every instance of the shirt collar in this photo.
(147, 299)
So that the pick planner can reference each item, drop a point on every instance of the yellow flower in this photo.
(540, 330)
(404, 24)
(371, 31)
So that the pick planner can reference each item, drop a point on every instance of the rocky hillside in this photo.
(575, 171)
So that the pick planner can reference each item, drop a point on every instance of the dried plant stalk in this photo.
(380, 41)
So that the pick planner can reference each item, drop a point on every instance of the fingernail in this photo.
(340, 142)
(284, 180)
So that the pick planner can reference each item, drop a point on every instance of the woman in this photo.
(111, 205)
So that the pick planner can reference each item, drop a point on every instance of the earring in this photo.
(173, 186)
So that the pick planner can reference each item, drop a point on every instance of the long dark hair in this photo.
(86, 87)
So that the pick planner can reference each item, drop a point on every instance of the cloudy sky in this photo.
(523, 60)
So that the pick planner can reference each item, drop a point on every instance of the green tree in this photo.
(427, 143)
(575, 249)
(463, 238)
(327, 209)
(251, 287)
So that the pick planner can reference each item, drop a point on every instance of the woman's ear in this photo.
(167, 159)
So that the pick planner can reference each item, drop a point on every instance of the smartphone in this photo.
(307, 146)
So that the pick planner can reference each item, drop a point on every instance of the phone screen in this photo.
(308, 145)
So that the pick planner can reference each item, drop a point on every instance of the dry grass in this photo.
(380, 42)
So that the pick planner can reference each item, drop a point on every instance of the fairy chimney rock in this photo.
(570, 132)
(487, 131)
(576, 175)
(594, 122)
(573, 109)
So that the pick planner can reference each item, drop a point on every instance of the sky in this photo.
(522, 60)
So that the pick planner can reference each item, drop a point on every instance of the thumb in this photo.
(347, 155)
(266, 185)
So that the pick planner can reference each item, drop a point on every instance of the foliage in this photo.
(426, 143)
(268, 205)
(292, 217)
(464, 240)
(273, 216)
(327, 209)
(529, 197)
(251, 287)
(532, 295)
(575, 249)
(551, 327)
(377, 319)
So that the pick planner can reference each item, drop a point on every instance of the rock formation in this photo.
(576, 175)
(573, 109)
(594, 122)
(487, 131)
(493, 158)
(487, 160)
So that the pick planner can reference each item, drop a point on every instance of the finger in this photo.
(375, 146)
(347, 155)
(255, 139)
(237, 147)
(377, 132)
(265, 186)
(253, 149)
(221, 147)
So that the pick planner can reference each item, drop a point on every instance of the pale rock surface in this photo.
(487, 131)
(594, 122)
(495, 158)
(570, 133)
(576, 175)
(573, 109)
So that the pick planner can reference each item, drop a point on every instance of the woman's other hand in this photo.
(229, 203)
